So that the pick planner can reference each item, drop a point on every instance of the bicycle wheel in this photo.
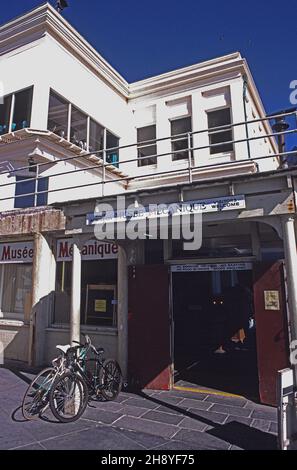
(110, 379)
(36, 398)
(68, 397)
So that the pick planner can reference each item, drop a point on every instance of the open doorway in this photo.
(214, 337)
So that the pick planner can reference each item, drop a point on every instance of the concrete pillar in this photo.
(43, 287)
(256, 242)
(40, 104)
(291, 273)
(123, 312)
(75, 294)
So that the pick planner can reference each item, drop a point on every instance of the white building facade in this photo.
(74, 132)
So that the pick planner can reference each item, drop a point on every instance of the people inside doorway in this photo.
(233, 312)
(219, 323)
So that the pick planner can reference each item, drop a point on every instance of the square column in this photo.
(75, 294)
(43, 287)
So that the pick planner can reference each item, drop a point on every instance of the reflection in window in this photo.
(79, 128)
(221, 117)
(58, 115)
(24, 192)
(22, 110)
(112, 142)
(146, 136)
(179, 129)
(96, 137)
(17, 285)
(5, 109)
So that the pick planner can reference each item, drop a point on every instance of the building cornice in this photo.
(202, 71)
(46, 21)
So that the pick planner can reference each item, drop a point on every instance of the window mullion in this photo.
(12, 104)
(88, 133)
(69, 122)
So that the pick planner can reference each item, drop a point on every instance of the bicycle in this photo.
(36, 398)
(84, 378)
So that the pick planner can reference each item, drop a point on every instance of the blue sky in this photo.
(144, 38)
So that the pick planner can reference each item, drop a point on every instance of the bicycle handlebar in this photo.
(88, 343)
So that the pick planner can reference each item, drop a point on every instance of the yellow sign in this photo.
(271, 298)
(100, 306)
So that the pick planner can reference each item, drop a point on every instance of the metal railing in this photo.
(187, 170)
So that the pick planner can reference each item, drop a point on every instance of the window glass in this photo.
(17, 285)
(221, 117)
(96, 137)
(26, 186)
(22, 110)
(180, 142)
(79, 126)
(112, 141)
(144, 136)
(58, 115)
(98, 293)
(5, 115)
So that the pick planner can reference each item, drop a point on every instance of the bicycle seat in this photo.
(63, 349)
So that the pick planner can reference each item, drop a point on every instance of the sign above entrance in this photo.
(16, 252)
(186, 268)
(200, 206)
(92, 250)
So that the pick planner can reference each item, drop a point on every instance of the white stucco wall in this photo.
(46, 64)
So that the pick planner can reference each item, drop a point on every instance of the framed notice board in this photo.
(100, 305)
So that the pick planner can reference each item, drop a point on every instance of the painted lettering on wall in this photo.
(16, 252)
(92, 250)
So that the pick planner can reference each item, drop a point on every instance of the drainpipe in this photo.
(245, 87)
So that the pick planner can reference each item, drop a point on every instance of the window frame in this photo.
(180, 138)
(63, 288)
(35, 182)
(89, 119)
(215, 151)
(11, 316)
(12, 108)
(141, 161)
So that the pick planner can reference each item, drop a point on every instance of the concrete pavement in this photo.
(170, 420)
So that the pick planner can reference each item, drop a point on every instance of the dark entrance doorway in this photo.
(214, 331)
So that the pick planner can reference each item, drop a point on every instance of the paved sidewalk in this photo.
(171, 420)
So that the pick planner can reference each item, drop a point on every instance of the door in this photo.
(271, 327)
(150, 364)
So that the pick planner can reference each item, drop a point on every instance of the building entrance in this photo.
(214, 330)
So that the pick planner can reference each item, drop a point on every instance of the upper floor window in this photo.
(70, 123)
(180, 129)
(25, 192)
(15, 112)
(58, 115)
(79, 128)
(146, 145)
(112, 143)
(220, 117)
(96, 136)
